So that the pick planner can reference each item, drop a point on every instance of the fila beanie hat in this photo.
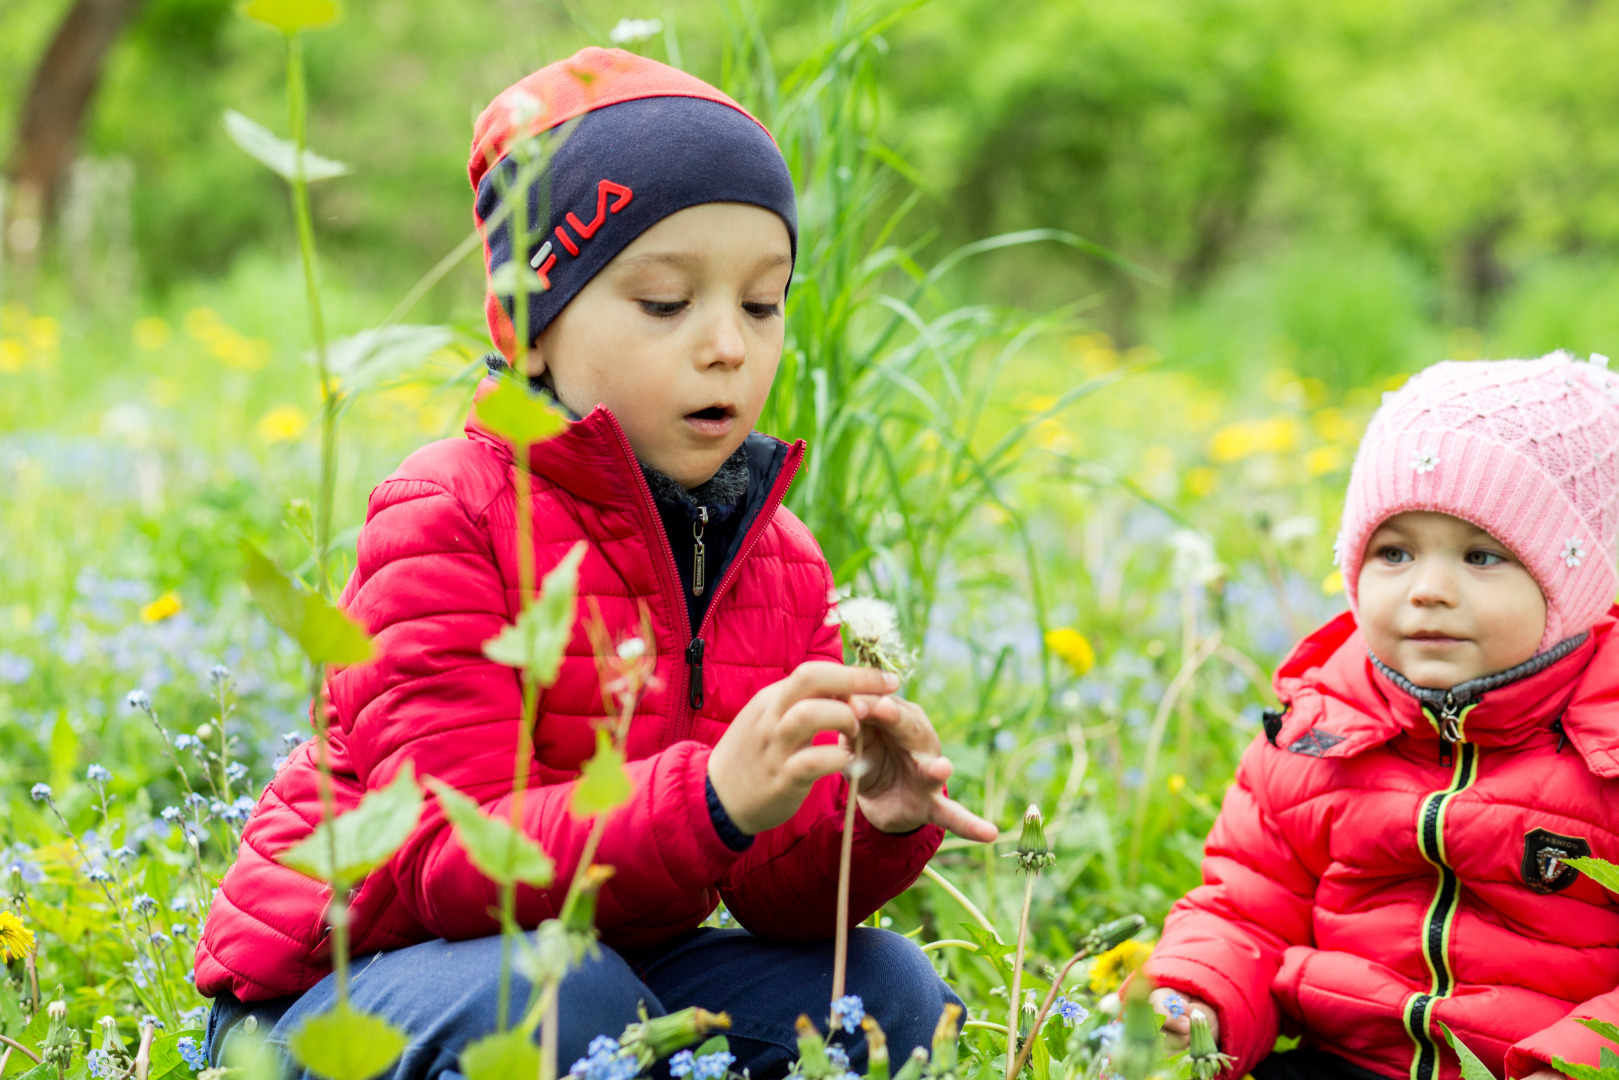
(1527, 450)
(650, 141)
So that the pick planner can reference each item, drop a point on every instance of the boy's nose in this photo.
(724, 344)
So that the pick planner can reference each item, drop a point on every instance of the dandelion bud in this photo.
(1033, 854)
(579, 910)
(812, 1059)
(206, 731)
(944, 1040)
(655, 1038)
(914, 1065)
(56, 1010)
(876, 1049)
(1207, 1061)
(1112, 934)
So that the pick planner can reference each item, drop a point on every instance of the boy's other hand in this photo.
(766, 762)
(1178, 1022)
(902, 787)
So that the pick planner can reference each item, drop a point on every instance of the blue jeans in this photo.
(443, 994)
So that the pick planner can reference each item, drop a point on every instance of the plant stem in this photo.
(961, 898)
(840, 955)
(1045, 1010)
(1155, 737)
(1012, 1021)
(549, 1034)
(20, 1048)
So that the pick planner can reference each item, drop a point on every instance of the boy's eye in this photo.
(1485, 558)
(1394, 555)
(762, 311)
(662, 309)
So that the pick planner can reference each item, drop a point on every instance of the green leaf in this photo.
(365, 837)
(382, 354)
(1284, 1043)
(31, 1037)
(715, 1044)
(1609, 1061)
(326, 635)
(1472, 1067)
(1601, 871)
(289, 16)
(277, 154)
(1576, 1071)
(510, 278)
(521, 417)
(500, 852)
(1601, 1027)
(166, 1058)
(604, 784)
(345, 1044)
(501, 1057)
(535, 642)
(251, 1054)
(64, 750)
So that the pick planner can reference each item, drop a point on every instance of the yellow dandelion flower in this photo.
(44, 333)
(12, 356)
(1176, 783)
(201, 323)
(1109, 970)
(1273, 435)
(164, 607)
(1072, 648)
(1323, 460)
(16, 940)
(282, 424)
(1333, 583)
(1200, 481)
(150, 333)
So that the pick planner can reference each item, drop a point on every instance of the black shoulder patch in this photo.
(1272, 719)
(1545, 869)
(1314, 743)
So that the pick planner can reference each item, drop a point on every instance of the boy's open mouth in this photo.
(713, 412)
(713, 422)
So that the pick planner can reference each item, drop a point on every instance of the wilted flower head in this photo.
(847, 1012)
(99, 774)
(57, 1010)
(872, 627)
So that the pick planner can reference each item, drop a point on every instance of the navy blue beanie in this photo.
(650, 141)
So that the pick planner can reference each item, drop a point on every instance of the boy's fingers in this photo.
(824, 679)
(814, 762)
(905, 723)
(949, 814)
(810, 717)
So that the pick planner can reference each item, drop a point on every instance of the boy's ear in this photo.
(532, 362)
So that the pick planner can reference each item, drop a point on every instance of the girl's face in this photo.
(1442, 601)
(680, 336)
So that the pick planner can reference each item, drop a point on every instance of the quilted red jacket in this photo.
(436, 578)
(1366, 882)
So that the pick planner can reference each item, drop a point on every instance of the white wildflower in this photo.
(1424, 461)
(629, 31)
(1573, 552)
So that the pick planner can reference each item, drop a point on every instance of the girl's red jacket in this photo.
(436, 579)
(1366, 883)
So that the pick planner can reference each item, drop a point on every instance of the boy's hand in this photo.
(765, 763)
(902, 787)
(1178, 1024)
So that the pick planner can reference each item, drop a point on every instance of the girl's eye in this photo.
(1394, 555)
(762, 311)
(662, 309)
(1485, 558)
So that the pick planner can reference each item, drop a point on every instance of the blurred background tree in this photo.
(1345, 187)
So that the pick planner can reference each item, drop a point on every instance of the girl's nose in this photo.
(1434, 584)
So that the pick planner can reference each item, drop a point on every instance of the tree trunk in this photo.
(53, 116)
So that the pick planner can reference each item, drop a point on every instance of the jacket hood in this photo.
(1340, 701)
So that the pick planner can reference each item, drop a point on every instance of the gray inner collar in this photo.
(1470, 691)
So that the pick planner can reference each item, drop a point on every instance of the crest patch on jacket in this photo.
(1545, 860)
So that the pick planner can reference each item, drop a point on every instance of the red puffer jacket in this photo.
(437, 577)
(1368, 882)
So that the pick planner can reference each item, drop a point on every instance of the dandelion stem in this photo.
(840, 955)
(1012, 1021)
(961, 898)
(20, 1048)
(987, 1025)
(951, 943)
(1045, 1010)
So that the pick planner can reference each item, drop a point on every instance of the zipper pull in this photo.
(698, 583)
(694, 661)
(1562, 736)
(1450, 731)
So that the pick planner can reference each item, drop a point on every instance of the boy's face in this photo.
(680, 336)
(1442, 601)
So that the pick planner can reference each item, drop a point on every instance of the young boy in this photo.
(666, 230)
(1391, 856)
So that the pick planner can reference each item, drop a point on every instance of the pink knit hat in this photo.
(1527, 450)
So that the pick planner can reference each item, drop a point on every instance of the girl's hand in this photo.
(902, 787)
(1177, 1009)
(766, 762)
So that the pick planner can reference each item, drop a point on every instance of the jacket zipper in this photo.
(690, 694)
(1437, 924)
